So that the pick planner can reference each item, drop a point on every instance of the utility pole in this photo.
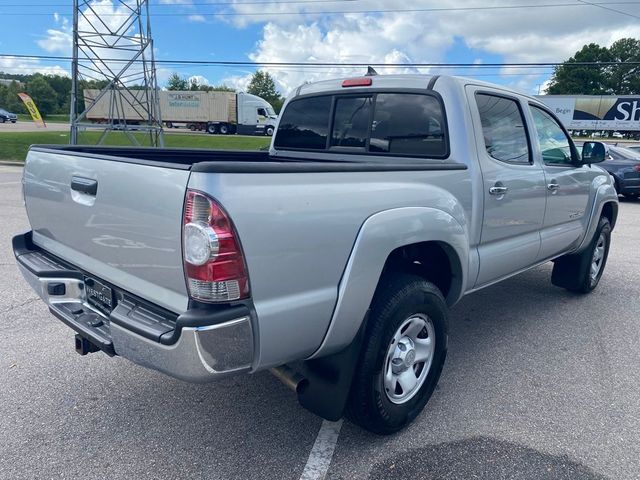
(74, 79)
(112, 45)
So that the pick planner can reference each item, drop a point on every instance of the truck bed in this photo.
(117, 213)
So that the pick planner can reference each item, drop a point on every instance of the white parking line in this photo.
(322, 452)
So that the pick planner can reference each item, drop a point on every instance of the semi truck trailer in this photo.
(214, 112)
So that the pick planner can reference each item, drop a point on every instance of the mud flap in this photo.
(329, 379)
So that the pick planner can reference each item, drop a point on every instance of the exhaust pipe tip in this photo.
(292, 379)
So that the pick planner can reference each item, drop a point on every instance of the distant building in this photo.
(7, 81)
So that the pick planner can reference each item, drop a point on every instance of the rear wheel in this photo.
(402, 355)
(224, 129)
(581, 272)
(211, 128)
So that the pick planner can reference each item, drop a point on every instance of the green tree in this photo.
(43, 94)
(176, 82)
(263, 85)
(624, 79)
(619, 78)
(571, 79)
(278, 104)
(9, 99)
(221, 88)
(62, 87)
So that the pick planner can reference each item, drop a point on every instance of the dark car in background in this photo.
(7, 116)
(624, 166)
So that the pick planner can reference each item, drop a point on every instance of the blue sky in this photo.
(359, 31)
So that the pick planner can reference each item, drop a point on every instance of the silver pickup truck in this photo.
(333, 258)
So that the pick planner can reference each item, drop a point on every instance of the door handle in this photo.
(84, 185)
(553, 187)
(498, 190)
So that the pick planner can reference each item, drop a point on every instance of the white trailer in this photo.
(213, 112)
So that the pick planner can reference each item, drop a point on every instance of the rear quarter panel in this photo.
(298, 231)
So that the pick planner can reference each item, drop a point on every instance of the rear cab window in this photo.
(305, 125)
(376, 123)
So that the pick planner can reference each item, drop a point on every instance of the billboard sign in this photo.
(603, 112)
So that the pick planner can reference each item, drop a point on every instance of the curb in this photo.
(11, 164)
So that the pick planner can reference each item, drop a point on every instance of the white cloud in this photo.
(106, 18)
(198, 80)
(29, 66)
(57, 41)
(196, 18)
(516, 35)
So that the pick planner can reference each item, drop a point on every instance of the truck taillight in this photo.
(637, 167)
(213, 262)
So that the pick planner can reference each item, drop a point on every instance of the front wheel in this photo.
(402, 355)
(269, 131)
(581, 272)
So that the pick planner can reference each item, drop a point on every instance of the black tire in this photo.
(397, 298)
(573, 272)
(269, 131)
(211, 129)
(2, 120)
(223, 129)
(169, 124)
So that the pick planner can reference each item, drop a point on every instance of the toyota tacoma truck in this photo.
(331, 259)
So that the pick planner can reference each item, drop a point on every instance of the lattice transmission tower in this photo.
(112, 45)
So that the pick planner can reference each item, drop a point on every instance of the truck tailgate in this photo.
(116, 220)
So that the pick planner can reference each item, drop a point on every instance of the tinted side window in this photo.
(503, 128)
(408, 124)
(351, 122)
(554, 144)
(305, 124)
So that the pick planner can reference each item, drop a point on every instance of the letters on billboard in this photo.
(596, 112)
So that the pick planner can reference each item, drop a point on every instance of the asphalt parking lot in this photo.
(539, 383)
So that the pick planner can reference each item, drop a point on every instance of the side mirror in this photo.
(593, 152)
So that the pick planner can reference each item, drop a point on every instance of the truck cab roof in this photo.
(406, 81)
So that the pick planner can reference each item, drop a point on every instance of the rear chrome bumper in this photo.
(199, 346)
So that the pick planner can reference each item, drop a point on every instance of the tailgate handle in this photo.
(84, 185)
